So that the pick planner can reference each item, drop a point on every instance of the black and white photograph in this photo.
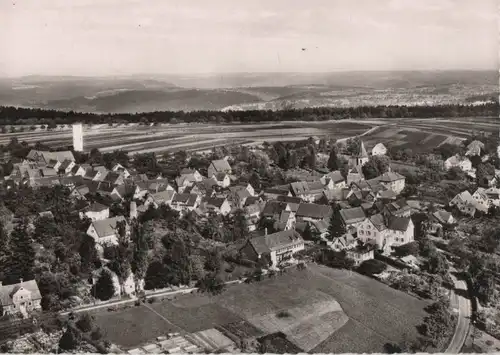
(252, 176)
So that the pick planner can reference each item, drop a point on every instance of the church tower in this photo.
(77, 137)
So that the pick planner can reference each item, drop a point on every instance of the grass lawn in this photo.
(328, 310)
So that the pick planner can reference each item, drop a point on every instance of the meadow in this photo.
(319, 309)
(420, 135)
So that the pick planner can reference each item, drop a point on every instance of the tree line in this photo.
(29, 116)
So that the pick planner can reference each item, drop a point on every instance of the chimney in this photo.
(265, 231)
(133, 210)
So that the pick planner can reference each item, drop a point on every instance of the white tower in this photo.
(78, 137)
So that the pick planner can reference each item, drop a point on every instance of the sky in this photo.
(120, 37)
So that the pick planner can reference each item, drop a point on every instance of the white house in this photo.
(467, 204)
(361, 253)
(457, 161)
(21, 298)
(379, 149)
(355, 175)
(481, 198)
(96, 212)
(105, 231)
(474, 148)
(385, 232)
(162, 197)
(222, 179)
(185, 202)
(273, 248)
(218, 205)
(219, 166)
(493, 194)
(393, 181)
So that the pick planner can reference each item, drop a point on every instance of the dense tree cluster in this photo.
(52, 118)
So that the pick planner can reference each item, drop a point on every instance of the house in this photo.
(46, 214)
(185, 202)
(493, 194)
(114, 178)
(239, 194)
(357, 197)
(108, 190)
(334, 178)
(163, 197)
(46, 172)
(352, 217)
(128, 286)
(346, 242)
(355, 174)
(21, 298)
(219, 166)
(379, 149)
(386, 195)
(399, 208)
(80, 192)
(361, 253)
(252, 216)
(313, 212)
(307, 191)
(273, 209)
(66, 166)
(118, 168)
(274, 192)
(45, 156)
(335, 195)
(222, 179)
(474, 148)
(273, 248)
(457, 161)
(105, 231)
(392, 181)
(96, 212)
(386, 231)
(285, 221)
(218, 205)
(187, 180)
(466, 204)
(293, 202)
(443, 217)
(481, 198)
(191, 174)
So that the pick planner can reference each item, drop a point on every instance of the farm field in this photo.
(417, 134)
(320, 310)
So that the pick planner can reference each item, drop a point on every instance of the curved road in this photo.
(462, 307)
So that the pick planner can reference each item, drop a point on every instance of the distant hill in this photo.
(142, 93)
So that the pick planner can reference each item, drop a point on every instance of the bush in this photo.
(85, 323)
(152, 300)
(69, 340)
(372, 267)
(96, 334)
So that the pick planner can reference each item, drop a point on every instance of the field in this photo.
(319, 310)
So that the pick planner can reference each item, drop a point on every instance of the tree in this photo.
(104, 289)
(85, 323)
(211, 284)
(197, 263)
(483, 174)
(336, 229)
(21, 260)
(239, 227)
(69, 340)
(437, 264)
(333, 160)
(213, 262)
(439, 324)
(121, 264)
(139, 263)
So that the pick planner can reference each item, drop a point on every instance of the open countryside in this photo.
(416, 134)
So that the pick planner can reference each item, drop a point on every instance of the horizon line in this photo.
(251, 73)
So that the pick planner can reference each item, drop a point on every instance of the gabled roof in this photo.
(475, 144)
(107, 227)
(289, 199)
(273, 208)
(267, 243)
(313, 210)
(390, 176)
(378, 221)
(111, 177)
(336, 194)
(59, 156)
(387, 194)
(65, 164)
(220, 176)
(96, 207)
(163, 196)
(379, 146)
(335, 176)
(216, 202)
(442, 216)
(187, 199)
(220, 165)
(465, 196)
(7, 291)
(352, 215)
(399, 223)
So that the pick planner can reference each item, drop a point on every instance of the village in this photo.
(216, 212)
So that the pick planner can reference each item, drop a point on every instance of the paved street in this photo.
(463, 310)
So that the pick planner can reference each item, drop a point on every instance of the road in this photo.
(461, 307)
(134, 298)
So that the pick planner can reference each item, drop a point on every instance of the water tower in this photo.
(77, 137)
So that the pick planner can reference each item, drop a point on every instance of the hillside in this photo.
(272, 91)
